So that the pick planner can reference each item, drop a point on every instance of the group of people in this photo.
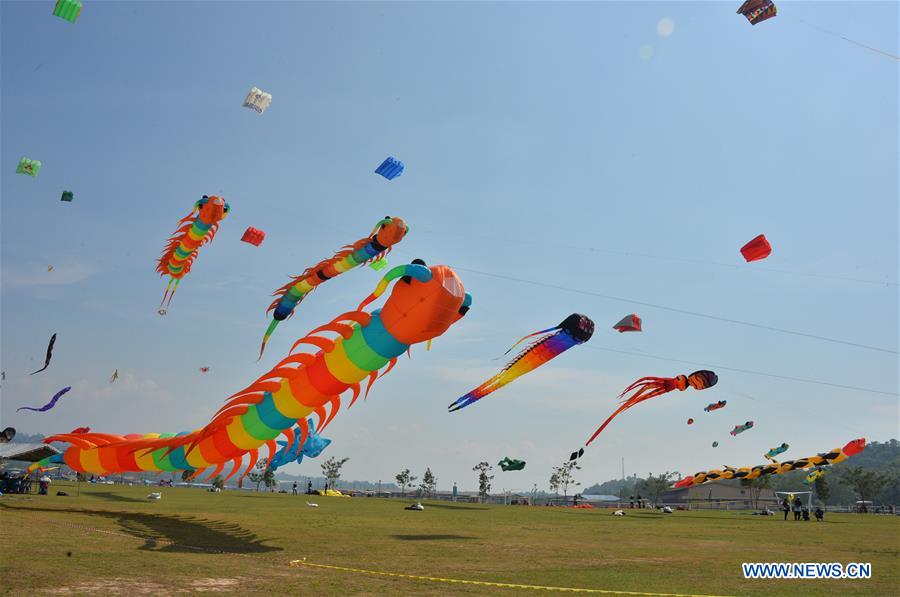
(309, 489)
(800, 511)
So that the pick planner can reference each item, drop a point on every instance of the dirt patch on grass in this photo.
(128, 586)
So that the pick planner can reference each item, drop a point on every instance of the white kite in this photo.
(258, 100)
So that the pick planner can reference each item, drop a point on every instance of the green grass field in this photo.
(111, 540)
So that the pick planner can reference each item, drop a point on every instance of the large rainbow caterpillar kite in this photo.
(386, 234)
(776, 468)
(422, 305)
(574, 330)
(650, 387)
(194, 230)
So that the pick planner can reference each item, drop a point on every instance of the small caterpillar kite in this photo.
(423, 304)
(574, 330)
(741, 428)
(715, 406)
(387, 233)
(776, 468)
(650, 387)
(194, 230)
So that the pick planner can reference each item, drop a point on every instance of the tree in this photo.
(186, 474)
(428, 483)
(331, 470)
(565, 476)
(484, 480)
(655, 485)
(218, 482)
(756, 487)
(554, 482)
(822, 489)
(269, 476)
(865, 483)
(403, 479)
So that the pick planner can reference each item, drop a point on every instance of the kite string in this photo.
(847, 39)
(747, 371)
(682, 311)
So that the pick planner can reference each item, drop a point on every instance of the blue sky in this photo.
(548, 142)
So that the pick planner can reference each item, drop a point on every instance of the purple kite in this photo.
(50, 404)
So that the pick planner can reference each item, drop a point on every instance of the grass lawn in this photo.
(111, 540)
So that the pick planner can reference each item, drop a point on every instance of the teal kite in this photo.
(508, 464)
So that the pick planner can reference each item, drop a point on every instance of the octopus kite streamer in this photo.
(422, 305)
(650, 387)
(574, 330)
(194, 230)
(776, 468)
(387, 233)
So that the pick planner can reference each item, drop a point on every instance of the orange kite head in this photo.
(389, 231)
(211, 210)
(855, 447)
(424, 303)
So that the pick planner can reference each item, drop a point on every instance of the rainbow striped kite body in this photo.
(574, 330)
(423, 305)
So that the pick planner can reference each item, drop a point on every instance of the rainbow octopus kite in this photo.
(775, 468)
(574, 330)
(650, 387)
(422, 305)
(387, 233)
(194, 230)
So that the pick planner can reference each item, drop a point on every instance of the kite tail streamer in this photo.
(421, 306)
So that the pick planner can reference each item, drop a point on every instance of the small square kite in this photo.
(67, 9)
(29, 167)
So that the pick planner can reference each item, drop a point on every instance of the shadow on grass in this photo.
(429, 537)
(455, 507)
(114, 497)
(174, 533)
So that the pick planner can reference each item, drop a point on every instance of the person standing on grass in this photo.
(294, 488)
(797, 507)
(785, 507)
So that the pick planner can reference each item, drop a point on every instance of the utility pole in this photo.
(623, 468)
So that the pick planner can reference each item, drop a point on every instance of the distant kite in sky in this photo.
(254, 236)
(67, 10)
(690, 421)
(741, 428)
(650, 387)
(28, 167)
(204, 369)
(758, 11)
(390, 168)
(49, 268)
(194, 230)
(771, 454)
(715, 406)
(629, 323)
(49, 354)
(574, 330)
(510, 464)
(7, 435)
(50, 404)
(756, 249)
(115, 376)
(387, 233)
(715, 444)
(67, 196)
(776, 468)
(258, 100)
